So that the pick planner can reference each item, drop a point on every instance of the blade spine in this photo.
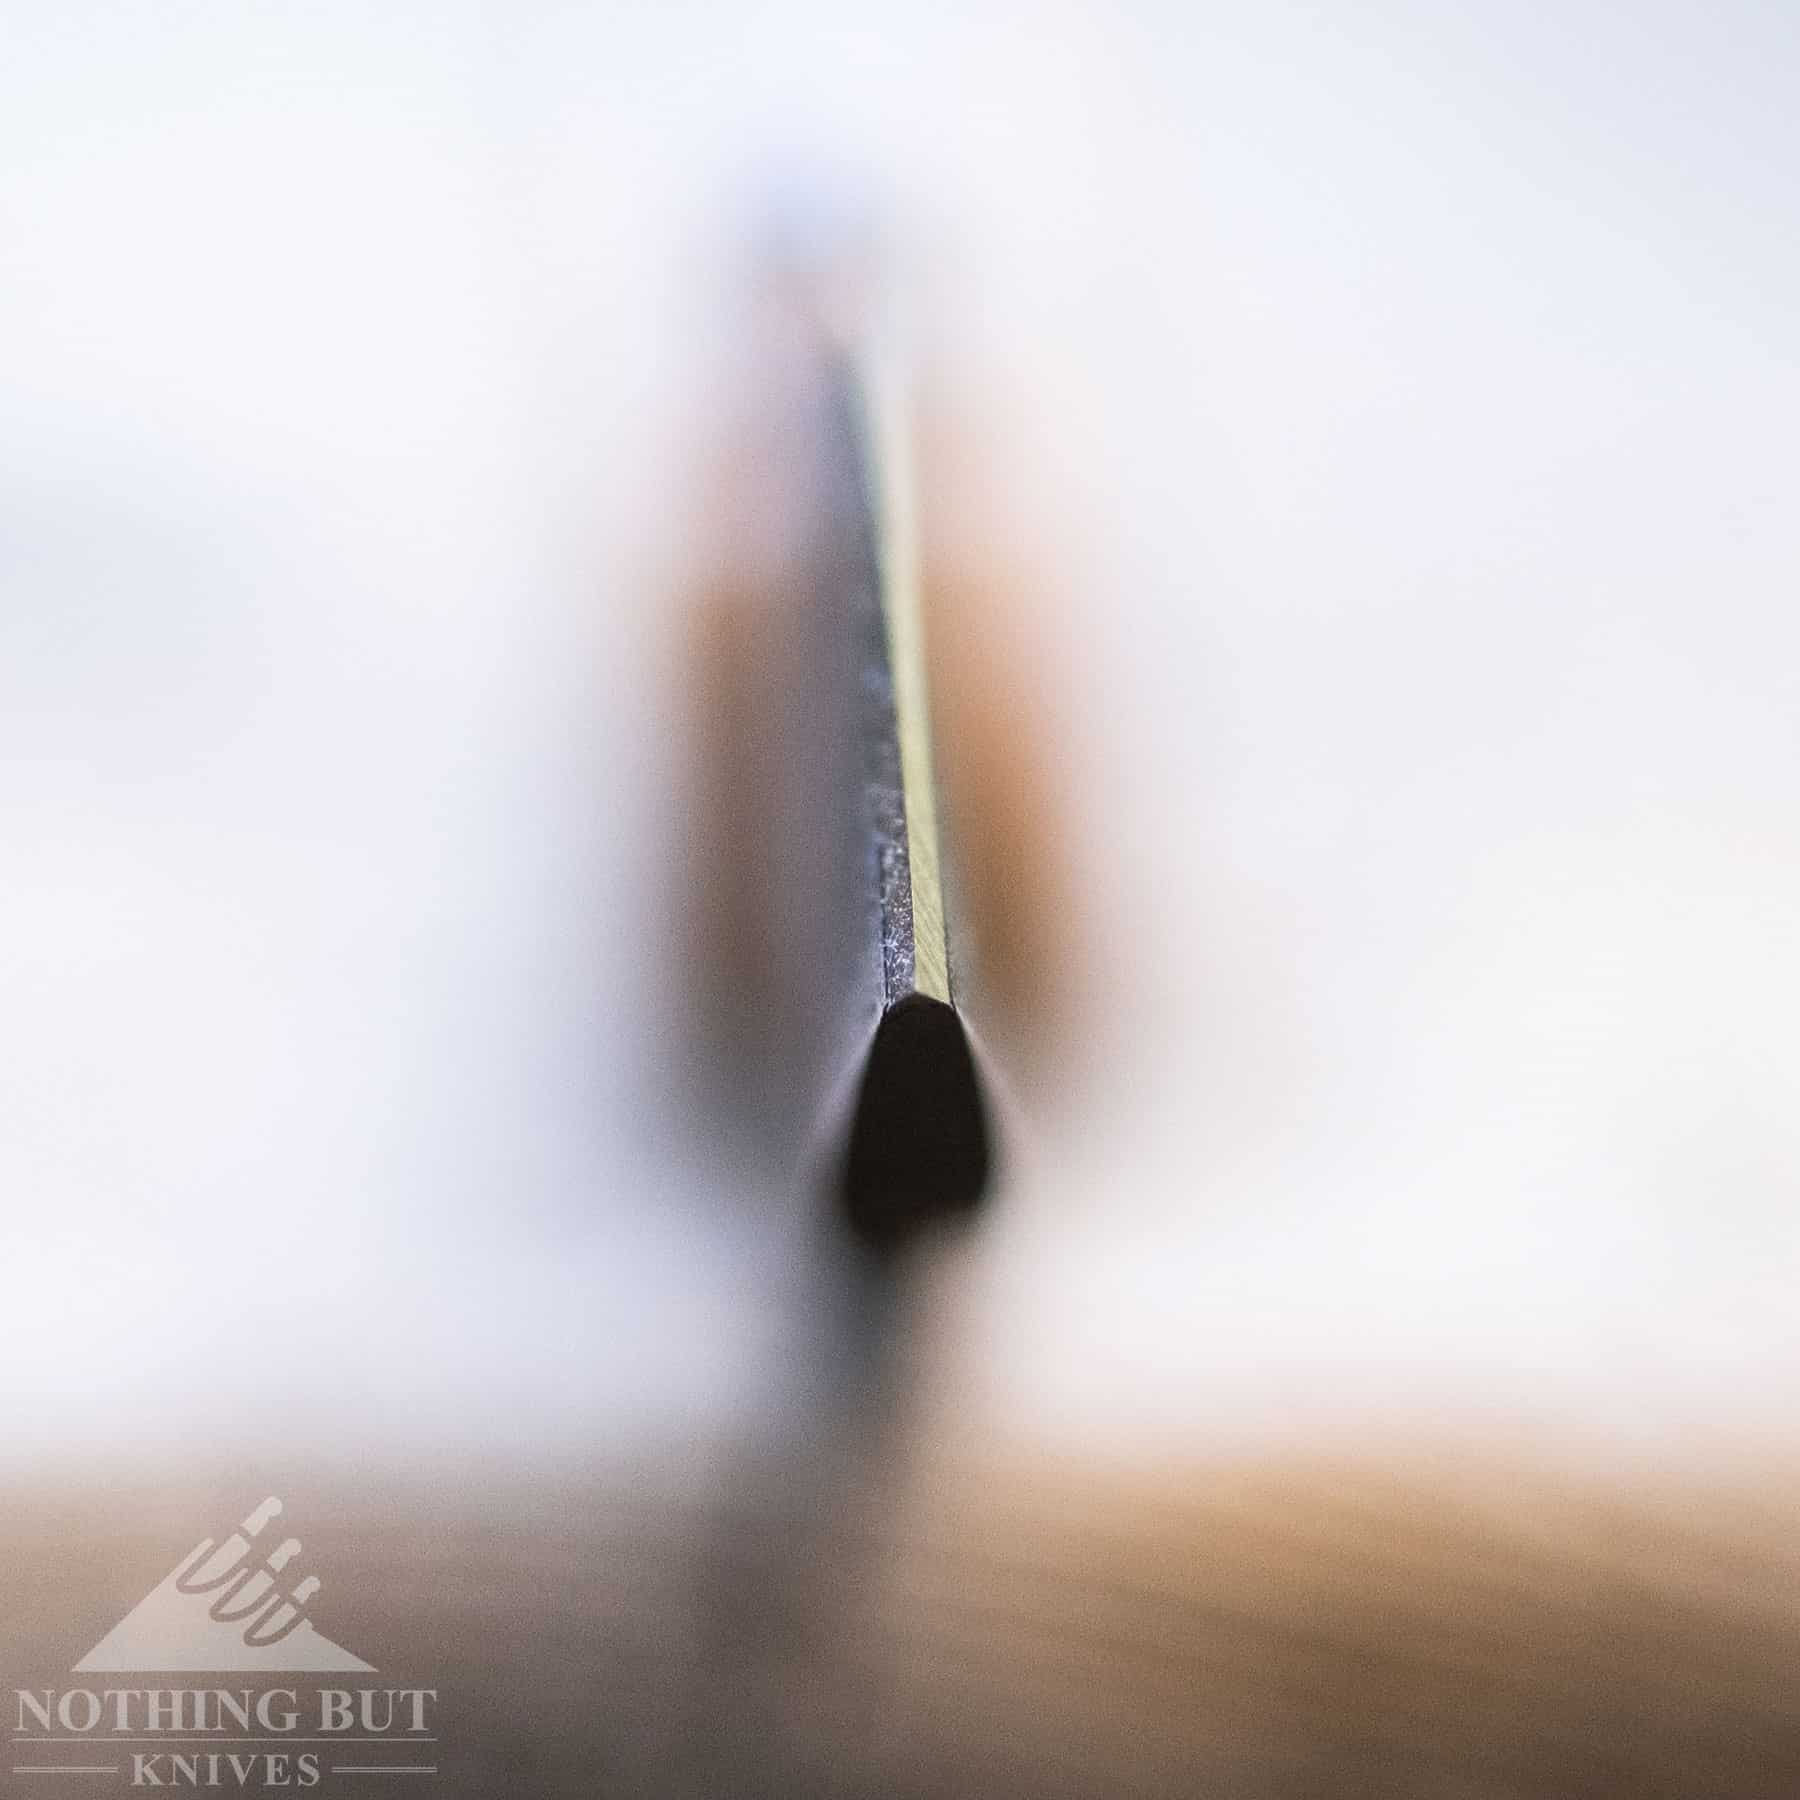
(887, 467)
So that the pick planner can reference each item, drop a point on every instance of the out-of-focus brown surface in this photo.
(1400, 1626)
(1006, 744)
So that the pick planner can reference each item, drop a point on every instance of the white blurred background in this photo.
(1405, 396)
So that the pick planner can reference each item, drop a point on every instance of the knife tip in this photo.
(920, 1146)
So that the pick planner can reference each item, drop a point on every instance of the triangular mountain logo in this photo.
(224, 1606)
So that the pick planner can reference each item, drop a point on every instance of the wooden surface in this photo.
(1285, 1628)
